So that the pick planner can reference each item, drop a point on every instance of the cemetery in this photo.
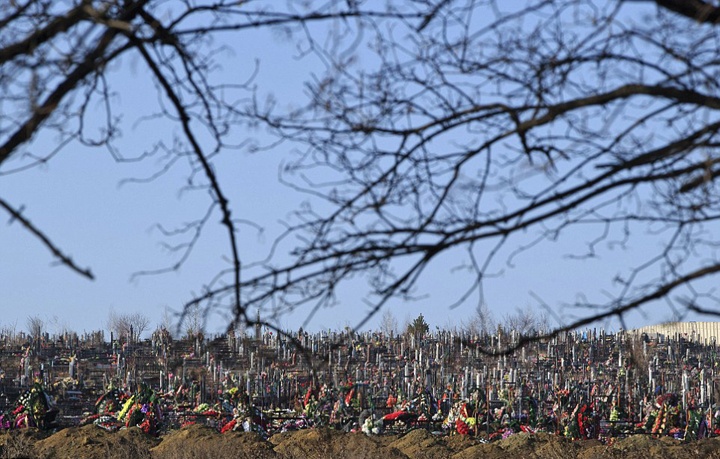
(588, 386)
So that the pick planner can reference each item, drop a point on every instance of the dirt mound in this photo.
(198, 441)
(643, 446)
(19, 443)
(92, 442)
(326, 443)
(457, 443)
(194, 433)
(421, 444)
(524, 445)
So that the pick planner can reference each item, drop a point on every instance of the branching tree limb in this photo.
(476, 128)
(493, 135)
(64, 259)
(56, 80)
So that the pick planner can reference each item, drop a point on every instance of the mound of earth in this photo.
(523, 445)
(93, 442)
(19, 443)
(199, 441)
(421, 444)
(327, 443)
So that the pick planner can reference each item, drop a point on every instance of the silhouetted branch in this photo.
(64, 259)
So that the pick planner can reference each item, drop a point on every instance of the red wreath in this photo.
(229, 426)
(461, 427)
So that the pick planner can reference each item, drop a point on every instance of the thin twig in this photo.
(64, 259)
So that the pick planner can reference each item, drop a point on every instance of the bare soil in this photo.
(198, 441)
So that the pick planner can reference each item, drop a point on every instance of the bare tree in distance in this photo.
(192, 322)
(58, 325)
(8, 331)
(128, 326)
(389, 324)
(35, 327)
(480, 323)
(167, 322)
(527, 321)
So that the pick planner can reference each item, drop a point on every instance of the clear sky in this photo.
(81, 201)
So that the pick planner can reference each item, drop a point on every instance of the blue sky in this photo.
(80, 200)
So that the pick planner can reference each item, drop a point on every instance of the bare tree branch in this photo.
(64, 259)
